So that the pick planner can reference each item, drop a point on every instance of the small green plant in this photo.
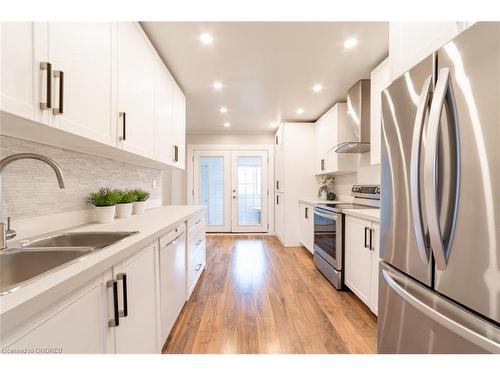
(126, 196)
(140, 195)
(104, 197)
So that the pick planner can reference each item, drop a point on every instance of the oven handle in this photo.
(328, 215)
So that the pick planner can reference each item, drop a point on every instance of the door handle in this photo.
(123, 115)
(366, 237)
(448, 315)
(418, 225)
(48, 100)
(115, 322)
(60, 75)
(123, 278)
(443, 91)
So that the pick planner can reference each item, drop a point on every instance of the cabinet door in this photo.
(374, 272)
(279, 171)
(172, 283)
(137, 332)
(306, 226)
(380, 78)
(279, 212)
(179, 126)
(164, 103)
(278, 137)
(77, 324)
(358, 257)
(23, 83)
(136, 72)
(85, 53)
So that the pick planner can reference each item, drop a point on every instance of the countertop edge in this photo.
(361, 214)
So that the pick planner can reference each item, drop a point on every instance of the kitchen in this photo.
(202, 188)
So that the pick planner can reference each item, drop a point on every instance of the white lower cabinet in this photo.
(306, 219)
(137, 331)
(361, 259)
(196, 256)
(78, 323)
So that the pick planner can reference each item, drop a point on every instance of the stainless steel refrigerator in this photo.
(439, 286)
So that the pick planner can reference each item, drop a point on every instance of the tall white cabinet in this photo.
(97, 87)
(294, 177)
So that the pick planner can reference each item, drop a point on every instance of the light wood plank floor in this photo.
(256, 296)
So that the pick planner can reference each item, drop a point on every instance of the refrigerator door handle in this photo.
(442, 92)
(415, 170)
(458, 321)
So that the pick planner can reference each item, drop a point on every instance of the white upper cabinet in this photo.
(164, 139)
(21, 77)
(83, 53)
(136, 76)
(331, 129)
(179, 126)
(380, 78)
(411, 42)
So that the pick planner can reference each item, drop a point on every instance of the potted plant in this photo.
(124, 206)
(104, 201)
(325, 187)
(140, 198)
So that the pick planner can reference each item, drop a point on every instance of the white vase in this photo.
(105, 214)
(123, 210)
(138, 207)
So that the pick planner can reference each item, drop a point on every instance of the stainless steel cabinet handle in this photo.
(443, 91)
(322, 164)
(123, 115)
(59, 74)
(366, 237)
(277, 199)
(453, 319)
(371, 239)
(123, 278)
(48, 100)
(418, 225)
(306, 212)
(277, 184)
(115, 322)
(198, 266)
(176, 153)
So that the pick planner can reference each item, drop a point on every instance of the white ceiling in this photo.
(267, 68)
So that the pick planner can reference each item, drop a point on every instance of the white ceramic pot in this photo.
(104, 214)
(123, 210)
(138, 207)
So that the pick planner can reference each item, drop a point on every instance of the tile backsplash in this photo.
(29, 187)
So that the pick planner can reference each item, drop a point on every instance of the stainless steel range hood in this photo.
(358, 117)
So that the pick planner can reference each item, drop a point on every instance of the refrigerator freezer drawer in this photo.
(415, 319)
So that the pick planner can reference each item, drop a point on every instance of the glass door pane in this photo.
(211, 189)
(249, 190)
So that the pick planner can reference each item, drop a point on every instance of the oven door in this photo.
(328, 236)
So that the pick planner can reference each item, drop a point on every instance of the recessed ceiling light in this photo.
(351, 43)
(318, 87)
(273, 124)
(227, 124)
(300, 111)
(223, 110)
(217, 85)
(206, 38)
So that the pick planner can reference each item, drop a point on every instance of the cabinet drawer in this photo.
(196, 222)
(172, 235)
(195, 268)
(196, 241)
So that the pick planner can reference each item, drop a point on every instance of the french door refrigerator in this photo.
(439, 288)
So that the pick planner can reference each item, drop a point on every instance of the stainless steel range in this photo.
(329, 231)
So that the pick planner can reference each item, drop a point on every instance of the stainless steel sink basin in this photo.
(94, 240)
(20, 265)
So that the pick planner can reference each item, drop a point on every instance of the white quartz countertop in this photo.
(43, 291)
(313, 201)
(372, 214)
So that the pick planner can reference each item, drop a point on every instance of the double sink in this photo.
(32, 258)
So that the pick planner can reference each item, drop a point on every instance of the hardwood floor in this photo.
(256, 296)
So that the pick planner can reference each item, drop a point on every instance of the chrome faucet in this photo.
(6, 233)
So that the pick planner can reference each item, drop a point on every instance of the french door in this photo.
(233, 185)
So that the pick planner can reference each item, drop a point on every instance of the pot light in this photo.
(206, 38)
(318, 87)
(351, 43)
(217, 85)
(223, 110)
(300, 111)
(227, 124)
(273, 124)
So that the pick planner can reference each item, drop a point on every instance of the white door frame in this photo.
(229, 147)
